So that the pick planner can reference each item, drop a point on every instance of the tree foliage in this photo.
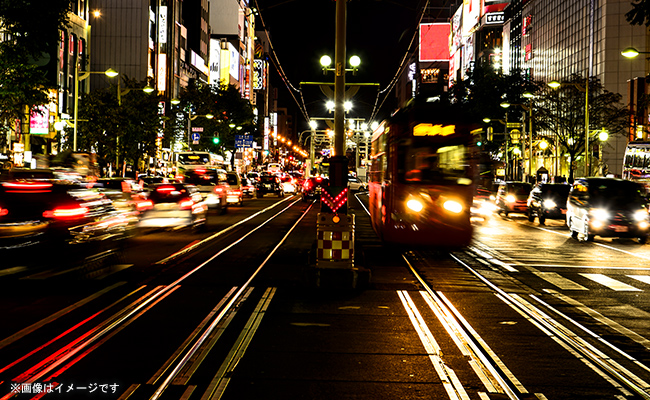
(225, 104)
(640, 13)
(29, 51)
(117, 133)
(560, 113)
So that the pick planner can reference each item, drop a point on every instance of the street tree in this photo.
(28, 57)
(119, 134)
(560, 113)
(640, 13)
(224, 103)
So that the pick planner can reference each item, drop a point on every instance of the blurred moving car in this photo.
(483, 204)
(125, 193)
(253, 176)
(608, 207)
(548, 200)
(42, 219)
(355, 184)
(269, 183)
(512, 197)
(312, 187)
(174, 205)
(247, 187)
(213, 186)
(235, 193)
(288, 183)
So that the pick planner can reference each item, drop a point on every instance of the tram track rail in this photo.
(569, 335)
(179, 368)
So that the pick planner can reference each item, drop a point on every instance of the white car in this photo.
(288, 184)
(355, 184)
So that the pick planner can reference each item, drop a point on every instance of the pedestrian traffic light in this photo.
(215, 140)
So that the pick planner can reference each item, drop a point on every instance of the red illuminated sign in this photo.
(434, 42)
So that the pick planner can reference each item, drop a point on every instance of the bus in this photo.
(422, 177)
(636, 162)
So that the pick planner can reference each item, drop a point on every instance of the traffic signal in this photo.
(215, 140)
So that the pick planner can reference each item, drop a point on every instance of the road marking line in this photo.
(642, 278)
(447, 376)
(611, 283)
(558, 280)
(218, 385)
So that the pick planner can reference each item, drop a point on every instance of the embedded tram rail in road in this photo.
(76, 343)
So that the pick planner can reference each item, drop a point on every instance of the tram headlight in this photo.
(414, 205)
(453, 206)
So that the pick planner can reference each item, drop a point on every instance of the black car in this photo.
(312, 187)
(269, 183)
(42, 221)
(548, 200)
(607, 207)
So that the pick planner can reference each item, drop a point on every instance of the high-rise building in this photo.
(553, 39)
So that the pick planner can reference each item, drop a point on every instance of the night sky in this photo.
(379, 32)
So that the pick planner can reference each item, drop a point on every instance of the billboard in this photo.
(434, 41)
(215, 58)
(39, 121)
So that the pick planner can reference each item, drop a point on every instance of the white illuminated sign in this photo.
(162, 25)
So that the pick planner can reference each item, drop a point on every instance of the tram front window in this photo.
(428, 164)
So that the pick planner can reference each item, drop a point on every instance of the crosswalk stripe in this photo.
(558, 280)
(642, 278)
(611, 283)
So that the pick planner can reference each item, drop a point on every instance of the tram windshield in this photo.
(427, 163)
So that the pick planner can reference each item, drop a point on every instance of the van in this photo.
(607, 207)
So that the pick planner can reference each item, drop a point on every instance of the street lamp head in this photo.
(355, 61)
(543, 145)
(209, 116)
(148, 89)
(528, 95)
(347, 105)
(603, 135)
(232, 125)
(487, 120)
(329, 105)
(111, 73)
(505, 104)
(97, 13)
(325, 61)
(630, 52)
(175, 101)
(554, 84)
(313, 124)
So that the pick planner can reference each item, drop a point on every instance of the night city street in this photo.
(524, 309)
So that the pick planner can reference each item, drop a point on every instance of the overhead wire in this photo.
(402, 64)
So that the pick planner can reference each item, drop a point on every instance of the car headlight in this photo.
(600, 214)
(453, 206)
(510, 198)
(549, 204)
(414, 205)
(640, 215)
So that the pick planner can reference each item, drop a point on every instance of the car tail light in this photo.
(144, 205)
(27, 185)
(307, 185)
(200, 170)
(66, 212)
(218, 189)
(165, 189)
(236, 191)
(3, 212)
(186, 204)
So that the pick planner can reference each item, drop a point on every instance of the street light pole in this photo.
(111, 73)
